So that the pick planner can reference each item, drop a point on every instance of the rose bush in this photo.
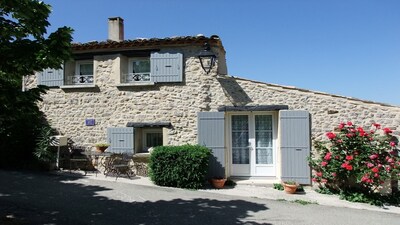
(356, 159)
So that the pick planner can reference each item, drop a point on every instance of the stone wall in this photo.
(113, 106)
(178, 103)
(326, 110)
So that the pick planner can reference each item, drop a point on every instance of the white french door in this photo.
(252, 141)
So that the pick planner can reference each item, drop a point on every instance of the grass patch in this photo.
(304, 202)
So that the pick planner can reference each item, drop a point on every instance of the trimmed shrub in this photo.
(179, 166)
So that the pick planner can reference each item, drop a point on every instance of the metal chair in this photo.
(119, 164)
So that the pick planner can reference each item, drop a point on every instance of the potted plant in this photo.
(218, 182)
(101, 147)
(290, 186)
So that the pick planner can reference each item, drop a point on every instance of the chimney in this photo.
(116, 29)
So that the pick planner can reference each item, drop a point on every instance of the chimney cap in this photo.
(115, 18)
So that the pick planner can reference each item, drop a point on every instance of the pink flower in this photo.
(375, 169)
(390, 160)
(372, 131)
(349, 157)
(331, 135)
(319, 174)
(314, 179)
(339, 141)
(324, 180)
(376, 175)
(352, 130)
(349, 123)
(323, 163)
(347, 166)
(328, 156)
(341, 126)
(387, 130)
(388, 169)
(392, 143)
(379, 165)
(377, 125)
(373, 156)
(370, 165)
(349, 135)
(333, 174)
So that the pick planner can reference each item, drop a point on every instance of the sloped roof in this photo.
(213, 40)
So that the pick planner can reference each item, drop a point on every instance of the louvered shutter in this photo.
(295, 145)
(51, 77)
(166, 67)
(121, 139)
(211, 133)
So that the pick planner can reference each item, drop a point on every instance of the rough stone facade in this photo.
(178, 103)
(326, 110)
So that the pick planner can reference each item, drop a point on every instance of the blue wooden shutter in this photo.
(166, 67)
(295, 145)
(121, 139)
(51, 77)
(211, 133)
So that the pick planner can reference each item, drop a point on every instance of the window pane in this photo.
(141, 66)
(264, 146)
(86, 69)
(153, 139)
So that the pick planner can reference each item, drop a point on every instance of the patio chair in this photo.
(119, 164)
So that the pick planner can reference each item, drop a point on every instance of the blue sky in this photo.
(344, 47)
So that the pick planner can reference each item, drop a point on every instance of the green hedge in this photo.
(179, 166)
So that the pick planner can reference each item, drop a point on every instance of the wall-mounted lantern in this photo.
(207, 58)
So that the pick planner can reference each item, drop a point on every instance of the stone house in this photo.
(137, 94)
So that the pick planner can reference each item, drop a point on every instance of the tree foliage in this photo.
(25, 47)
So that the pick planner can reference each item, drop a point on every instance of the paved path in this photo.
(33, 198)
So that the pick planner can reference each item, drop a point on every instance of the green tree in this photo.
(25, 47)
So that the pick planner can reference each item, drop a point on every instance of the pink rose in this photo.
(328, 156)
(333, 174)
(331, 135)
(377, 125)
(341, 126)
(324, 163)
(319, 174)
(370, 165)
(349, 157)
(375, 169)
(373, 156)
(349, 123)
(392, 144)
(390, 160)
(387, 130)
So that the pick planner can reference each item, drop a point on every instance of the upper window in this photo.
(159, 67)
(83, 73)
(139, 70)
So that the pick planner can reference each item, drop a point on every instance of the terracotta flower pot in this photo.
(101, 148)
(290, 188)
(218, 183)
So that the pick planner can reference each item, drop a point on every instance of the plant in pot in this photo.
(101, 147)
(218, 182)
(290, 186)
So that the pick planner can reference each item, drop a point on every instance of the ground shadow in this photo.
(53, 199)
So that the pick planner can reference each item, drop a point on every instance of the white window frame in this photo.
(128, 78)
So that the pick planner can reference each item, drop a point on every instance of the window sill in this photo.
(78, 86)
(136, 84)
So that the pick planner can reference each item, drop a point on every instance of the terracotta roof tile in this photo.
(144, 42)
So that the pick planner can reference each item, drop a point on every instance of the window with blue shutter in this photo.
(121, 139)
(166, 67)
(211, 133)
(51, 77)
(295, 145)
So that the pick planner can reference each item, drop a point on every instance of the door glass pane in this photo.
(240, 139)
(264, 146)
